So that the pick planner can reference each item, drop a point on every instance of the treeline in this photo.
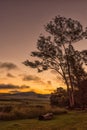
(60, 97)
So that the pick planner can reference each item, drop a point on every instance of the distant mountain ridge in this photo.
(31, 93)
(23, 95)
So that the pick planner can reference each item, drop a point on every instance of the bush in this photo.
(59, 98)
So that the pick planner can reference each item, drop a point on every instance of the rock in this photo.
(47, 116)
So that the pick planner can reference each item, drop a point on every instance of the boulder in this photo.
(47, 116)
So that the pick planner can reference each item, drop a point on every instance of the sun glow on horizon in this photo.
(35, 84)
(21, 25)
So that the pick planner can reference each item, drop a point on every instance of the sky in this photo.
(21, 23)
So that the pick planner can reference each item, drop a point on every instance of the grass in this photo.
(27, 112)
(70, 121)
(26, 109)
(19, 113)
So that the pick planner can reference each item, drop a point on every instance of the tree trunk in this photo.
(71, 98)
(70, 92)
(72, 95)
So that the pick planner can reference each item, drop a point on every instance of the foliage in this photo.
(59, 98)
(56, 52)
(81, 95)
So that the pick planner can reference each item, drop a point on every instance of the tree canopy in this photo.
(55, 51)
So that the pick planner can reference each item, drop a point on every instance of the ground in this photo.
(71, 121)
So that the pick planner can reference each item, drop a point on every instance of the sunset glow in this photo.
(22, 21)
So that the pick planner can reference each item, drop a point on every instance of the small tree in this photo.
(53, 51)
(59, 98)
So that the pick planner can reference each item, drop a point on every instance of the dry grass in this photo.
(72, 121)
(12, 112)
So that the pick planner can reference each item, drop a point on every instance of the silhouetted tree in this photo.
(56, 51)
(77, 71)
(81, 95)
(59, 98)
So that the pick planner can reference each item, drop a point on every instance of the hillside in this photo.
(23, 95)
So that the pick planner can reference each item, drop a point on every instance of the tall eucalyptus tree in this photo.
(55, 51)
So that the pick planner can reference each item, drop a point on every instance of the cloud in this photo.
(8, 66)
(49, 82)
(50, 90)
(34, 79)
(24, 87)
(14, 91)
(11, 86)
(31, 78)
(10, 75)
(8, 86)
(54, 72)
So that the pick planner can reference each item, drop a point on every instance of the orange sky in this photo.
(21, 22)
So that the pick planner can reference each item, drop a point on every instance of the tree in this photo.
(59, 98)
(53, 51)
(81, 95)
(77, 71)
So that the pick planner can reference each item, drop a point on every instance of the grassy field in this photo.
(27, 110)
(70, 121)
(23, 115)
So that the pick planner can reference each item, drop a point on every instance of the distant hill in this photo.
(23, 95)
(31, 94)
